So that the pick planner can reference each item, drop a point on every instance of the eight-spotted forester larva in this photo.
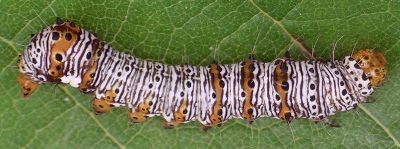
(284, 88)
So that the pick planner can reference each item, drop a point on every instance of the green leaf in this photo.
(198, 33)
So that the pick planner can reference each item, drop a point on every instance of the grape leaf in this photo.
(199, 33)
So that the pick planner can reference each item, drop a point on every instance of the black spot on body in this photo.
(312, 98)
(357, 66)
(150, 85)
(277, 97)
(336, 72)
(58, 67)
(188, 84)
(285, 86)
(364, 77)
(127, 68)
(182, 94)
(314, 107)
(250, 111)
(34, 60)
(311, 70)
(344, 92)
(341, 83)
(243, 94)
(157, 78)
(221, 83)
(251, 84)
(219, 112)
(59, 57)
(312, 86)
(88, 55)
(119, 74)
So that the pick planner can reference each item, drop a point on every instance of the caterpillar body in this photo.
(283, 89)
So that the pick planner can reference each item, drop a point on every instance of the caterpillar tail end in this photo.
(373, 64)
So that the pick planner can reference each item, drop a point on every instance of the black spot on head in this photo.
(312, 86)
(285, 86)
(312, 98)
(311, 70)
(55, 35)
(251, 83)
(117, 91)
(314, 107)
(59, 57)
(188, 84)
(344, 92)
(34, 60)
(243, 94)
(88, 55)
(341, 83)
(68, 36)
(221, 83)
(214, 95)
(277, 97)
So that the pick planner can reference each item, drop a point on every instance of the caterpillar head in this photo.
(373, 64)
(44, 57)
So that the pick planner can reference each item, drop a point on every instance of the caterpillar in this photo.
(283, 89)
